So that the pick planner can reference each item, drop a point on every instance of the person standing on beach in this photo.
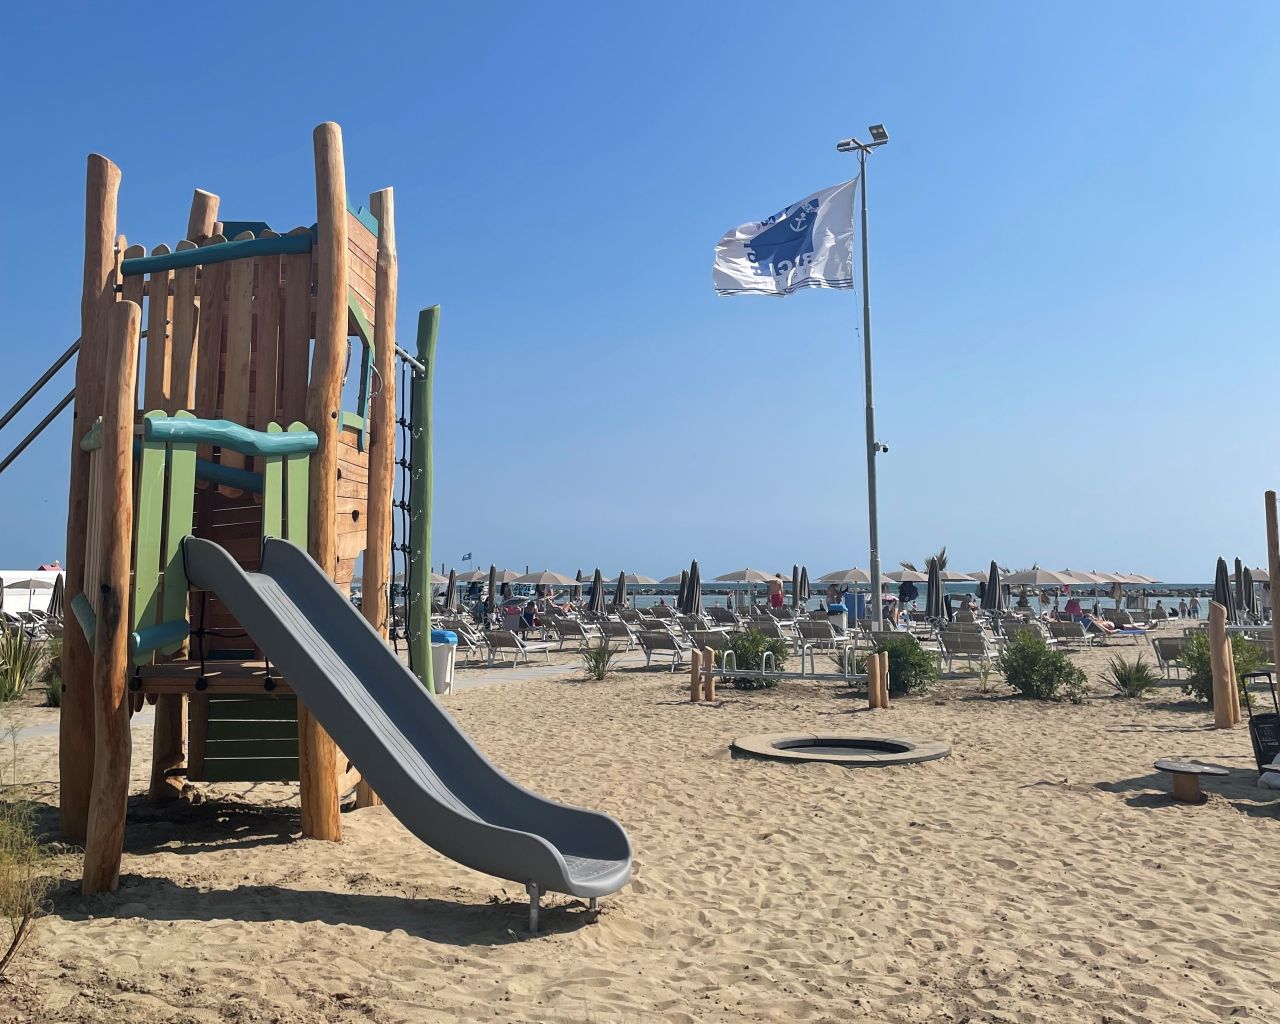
(775, 591)
(1182, 608)
(1195, 607)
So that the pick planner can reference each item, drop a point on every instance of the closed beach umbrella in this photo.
(1222, 592)
(993, 593)
(684, 585)
(577, 590)
(620, 591)
(451, 592)
(597, 607)
(1250, 599)
(491, 601)
(56, 598)
(804, 585)
(1238, 577)
(795, 586)
(933, 594)
(692, 604)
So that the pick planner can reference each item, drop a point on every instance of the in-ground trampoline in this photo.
(850, 751)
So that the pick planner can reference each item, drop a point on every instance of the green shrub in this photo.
(597, 657)
(749, 650)
(52, 673)
(912, 669)
(1035, 669)
(1195, 658)
(20, 658)
(1130, 678)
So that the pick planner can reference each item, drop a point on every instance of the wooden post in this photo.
(104, 840)
(382, 436)
(884, 679)
(76, 721)
(708, 679)
(418, 603)
(317, 753)
(203, 215)
(873, 680)
(695, 676)
(1220, 658)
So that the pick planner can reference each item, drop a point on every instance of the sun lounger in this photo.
(619, 631)
(1168, 651)
(821, 635)
(965, 644)
(570, 629)
(654, 641)
(722, 616)
(506, 640)
(470, 640)
(1074, 633)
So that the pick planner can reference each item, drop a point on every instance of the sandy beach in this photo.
(1041, 873)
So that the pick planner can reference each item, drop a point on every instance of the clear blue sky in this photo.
(1075, 243)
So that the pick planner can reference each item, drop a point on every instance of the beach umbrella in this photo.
(684, 585)
(544, 578)
(693, 591)
(795, 586)
(451, 592)
(1250, 599)
(56, 598)
(597, 607)
(620, 591)
(993, 591)
(951, 576)
(491, 601)
(577, 591)
(1037, 577)
(980, 575)
(847, 577)
(906, 576)
(473, 576)
(1222, 592)
(804, 585)
(933, 594)
(1238, 578)
(745, 576)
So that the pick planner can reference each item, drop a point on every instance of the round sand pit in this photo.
(850, 751)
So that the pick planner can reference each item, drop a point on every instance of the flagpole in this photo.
(878, 138)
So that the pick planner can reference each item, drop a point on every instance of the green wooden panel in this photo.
(297, 484)
(273, 491)
(251, 769)
(178, 519)
(252, 748)
(277, 708)
(148, 525)
(253, 729)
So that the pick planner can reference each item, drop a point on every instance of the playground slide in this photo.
(405, 744)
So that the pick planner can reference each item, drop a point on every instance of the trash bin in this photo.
(444, 651)
(838, 616)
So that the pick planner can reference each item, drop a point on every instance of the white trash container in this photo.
(444, 652)
(839, 619)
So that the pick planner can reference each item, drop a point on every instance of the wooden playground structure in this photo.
(224, 419)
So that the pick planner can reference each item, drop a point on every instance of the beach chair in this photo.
(1013, 627)
(1168, 651)
(821, 635)
(506, 640)
(629, 615)
(722, 616)
(967, 644)
(661, 611)
(1072, 633)
(619, 631)
(716, 639)
(664, 642)
(770, 628)
(470, 640)
(570, 629)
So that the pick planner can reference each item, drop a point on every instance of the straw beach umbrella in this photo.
(620, 591)
(1222, 592)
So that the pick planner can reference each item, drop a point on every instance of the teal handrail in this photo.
(220, 252)
(226, 434)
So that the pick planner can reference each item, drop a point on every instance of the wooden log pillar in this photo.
(695, 676)
(873, 679)
(317, 753)
(884, 679)
(203, 216)
(104, 841)
(1220, 660)
(708, 678)
(382, 436)
(76, 720)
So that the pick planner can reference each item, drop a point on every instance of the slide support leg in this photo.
(534, 899)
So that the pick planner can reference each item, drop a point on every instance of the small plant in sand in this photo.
(1130, 678)
(1035, 669)
(20, 658)
(912, 669)
(749, 649)
(597, 657)
(24, 882)
(1199, 666)
(985, 669)
(52, 673)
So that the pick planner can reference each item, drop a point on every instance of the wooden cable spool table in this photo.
(1186, 778)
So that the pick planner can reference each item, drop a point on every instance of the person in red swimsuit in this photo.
(775, 591)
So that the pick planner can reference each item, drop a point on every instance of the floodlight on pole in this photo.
(879, 137)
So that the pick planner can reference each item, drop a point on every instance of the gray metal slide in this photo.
(405, 744)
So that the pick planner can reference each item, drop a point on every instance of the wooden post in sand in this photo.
(317, 753)
(884, 678)
(708, 678)
(112, 746)
(695, 675)
(76, 720)
(1220, 660)
(873, 680)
